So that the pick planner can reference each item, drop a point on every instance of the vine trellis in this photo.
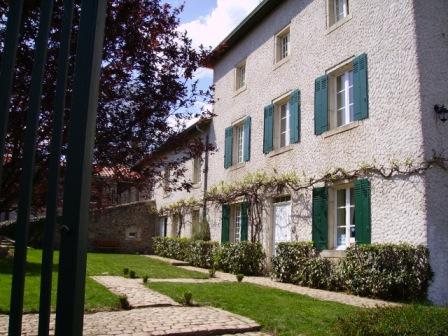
(256, 188)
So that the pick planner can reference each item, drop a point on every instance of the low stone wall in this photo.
(124, 228)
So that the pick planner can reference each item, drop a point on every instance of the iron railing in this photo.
(72, 263)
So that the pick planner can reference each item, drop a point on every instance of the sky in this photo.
(208, 22)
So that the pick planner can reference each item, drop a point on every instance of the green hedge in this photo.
(201, 253)
(407, 320)
(387, 271)
(241, 258)
(174, 248)
(299, 263)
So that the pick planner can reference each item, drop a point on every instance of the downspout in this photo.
(207, 142)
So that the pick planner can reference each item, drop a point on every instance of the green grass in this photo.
(97, 297)
(279, 312)
(113, 264)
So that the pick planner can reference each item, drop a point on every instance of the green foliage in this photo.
(145, 279)
(188, 298)
(394, 272)
(174, 248)
(132, 274)
(201, 231)
(125, 271)
(387, 271)
(240, 277)
(200, 253)
(124, 303)
(299, 263)
(243, 257)
(406, 320)
(212, 272)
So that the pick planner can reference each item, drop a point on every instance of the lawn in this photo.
(279, 312)
(97, 297)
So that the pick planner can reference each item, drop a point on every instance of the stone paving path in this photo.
(173, 262)
(172, 321)
(138, 295)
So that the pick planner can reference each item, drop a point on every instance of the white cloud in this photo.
(214, 27)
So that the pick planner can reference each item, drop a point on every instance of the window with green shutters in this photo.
(294, 117)
(341, 97)
(225, 224)
(237, 143)
(244, 221)
(320, 218)
(363, 211)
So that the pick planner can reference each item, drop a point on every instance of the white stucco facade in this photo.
(406, 42)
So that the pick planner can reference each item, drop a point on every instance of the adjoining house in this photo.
(315, 86)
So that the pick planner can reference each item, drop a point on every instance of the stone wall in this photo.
(125, 228)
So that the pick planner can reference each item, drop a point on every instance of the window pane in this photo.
(352, 196)
(341, 237)
(341, 215)
(341, 197)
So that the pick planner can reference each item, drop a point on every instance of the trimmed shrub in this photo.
(387, 271)
(299, 263)
(244, 257)
(288, 258)
(200, 253)
(406, 320)
(174, 248)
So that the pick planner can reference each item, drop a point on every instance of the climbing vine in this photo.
(179, 209)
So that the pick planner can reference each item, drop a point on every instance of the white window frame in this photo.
(283, 44)
(348, 189)
(278, 131)
(240, 76)
(237, 221)
(238, 144)
(345, 10)
(347, 109)
(197, 170)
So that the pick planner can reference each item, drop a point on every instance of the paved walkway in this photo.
(314, 293)
(173, 321)
(173, 262)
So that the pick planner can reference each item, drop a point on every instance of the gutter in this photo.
(205, 172)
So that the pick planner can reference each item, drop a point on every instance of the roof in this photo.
(173, 142)
(242, 30)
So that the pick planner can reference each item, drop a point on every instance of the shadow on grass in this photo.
(32, 268)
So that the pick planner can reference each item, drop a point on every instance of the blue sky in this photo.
(209, 21)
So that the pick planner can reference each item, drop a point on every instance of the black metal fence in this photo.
(72, 264)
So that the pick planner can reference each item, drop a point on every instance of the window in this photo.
(237, 223)
(239, 144)
(281, 125)
(344, 218)
(197, 173)
(240, 76)
(163, 226)
(344, 99)
(282, 45)
(337, 11)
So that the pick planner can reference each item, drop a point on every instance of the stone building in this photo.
(309, 86)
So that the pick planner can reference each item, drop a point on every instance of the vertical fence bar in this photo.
(27, 174)
(7, 70)
(72, 263)
(53, 175)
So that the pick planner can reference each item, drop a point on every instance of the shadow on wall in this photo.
(431, 19)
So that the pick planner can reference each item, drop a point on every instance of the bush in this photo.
(125, 271)
(239, 277)
(244, 257)
(174, 248)
(200, 253)
(406, 320)
(288, 258)
(212, 272)
(132, 275)
(201, 231)
(145, 279)
(387, 271)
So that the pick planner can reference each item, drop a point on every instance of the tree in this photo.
(147, 90)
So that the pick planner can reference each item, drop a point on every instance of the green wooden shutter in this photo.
(321, 105)
(225, 225)
(247, 130)
(320, 218)
(268, 139)
(363, 212)
(228, 147)
(360, 87)
(244, 220)
(294, 117)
